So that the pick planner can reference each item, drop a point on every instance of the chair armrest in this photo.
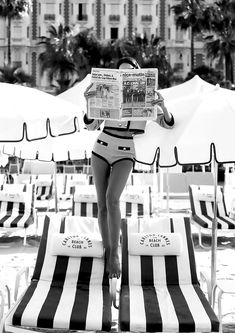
(23, 272)
(4, 288)
(205, 279)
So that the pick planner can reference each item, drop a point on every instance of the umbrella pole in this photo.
(55, 188)
(167, 191)
(214, 234)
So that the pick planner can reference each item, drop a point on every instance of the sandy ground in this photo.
(14, 256)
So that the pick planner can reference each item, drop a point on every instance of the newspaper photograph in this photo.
(123, 94)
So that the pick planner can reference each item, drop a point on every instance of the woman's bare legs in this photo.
(109, 186)
(117, 181)
(101, 172)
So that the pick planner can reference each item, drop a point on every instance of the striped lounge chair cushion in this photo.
(85, 201)
(134, 201)
(202, 207)
(65, 292)
(16, 208)
(162, 293)
(44, 190)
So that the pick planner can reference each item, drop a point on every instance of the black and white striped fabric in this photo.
(135, 201)
(16, 206)
(203, 208)
(132, 206)
(85, 201)
(44, 190)
(162, 293)
(67, 293)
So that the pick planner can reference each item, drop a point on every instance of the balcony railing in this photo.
(179, 66)
(82, 17)
(114, 18)
(49, 17)
(17, 63)
(146, 18)
(16, 40)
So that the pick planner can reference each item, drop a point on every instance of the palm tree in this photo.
(87, 51)
(10, 9)
(15, 75)
(189, 14)
(220, 43)
(57, 58)
(149, 53)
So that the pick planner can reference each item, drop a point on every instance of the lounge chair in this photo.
(202, 203)
(135, 201)
(159, 286)
(17, 207)
(85, 201)
(69, 289)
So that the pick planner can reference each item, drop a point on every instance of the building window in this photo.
(199, 60)
(60, 9)
(39, 9)
(179, 35)
(103, 32)
(124, 32)
(136, 10)
(157, 32)
(178, 66)
(124, 9)
(93, 9)
(156, 10)
(71, 8)
(82, 15)
(169, 33)
(147, 33)
(27, 32)
(39, 31)
(26, 58)
(114, 33)
(104, 9)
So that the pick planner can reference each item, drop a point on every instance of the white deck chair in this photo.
(72, 180)
(69, 289)
(202, 203)
(174, 192)
(135, 201)
(17, 207)
(159, 286)
(85, 201)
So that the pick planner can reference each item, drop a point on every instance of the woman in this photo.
(112, 161)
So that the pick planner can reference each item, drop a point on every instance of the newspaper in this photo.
(123, 94)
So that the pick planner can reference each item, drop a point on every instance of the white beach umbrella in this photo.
(75, 146)
(30, 114)
(203, 133)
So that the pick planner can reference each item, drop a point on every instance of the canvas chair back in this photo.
(202, 207)
(68, 290)
(159, 287)
(85, 201)
(16, 205)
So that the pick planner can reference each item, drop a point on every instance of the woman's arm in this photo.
(164, 117)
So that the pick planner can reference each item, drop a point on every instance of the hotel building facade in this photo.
(110, 19)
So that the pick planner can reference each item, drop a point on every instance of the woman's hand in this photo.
(160, 102)
(88, 93)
